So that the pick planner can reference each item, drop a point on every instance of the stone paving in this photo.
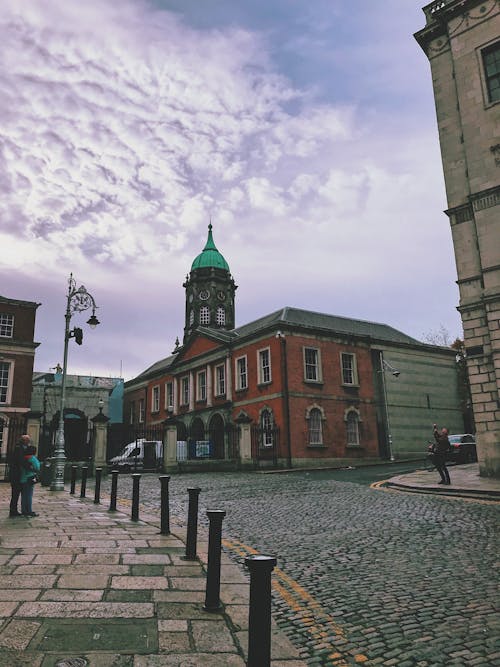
(80, 585)
(365, 576)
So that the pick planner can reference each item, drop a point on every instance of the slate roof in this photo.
(296, 317)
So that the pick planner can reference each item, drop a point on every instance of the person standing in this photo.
(15, 469)
(441, 448)
(31, 467)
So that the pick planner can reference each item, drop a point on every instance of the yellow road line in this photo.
(311, 615)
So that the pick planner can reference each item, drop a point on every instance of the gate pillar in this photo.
(100, 422)
(170, 445)
(33, 427)
(244, 422)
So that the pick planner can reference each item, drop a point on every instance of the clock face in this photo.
(204, 294)
(220, 295)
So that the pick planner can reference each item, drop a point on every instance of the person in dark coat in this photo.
(441, 448)
(16, 464)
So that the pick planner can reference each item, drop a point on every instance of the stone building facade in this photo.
(292, 388)
(461, 39)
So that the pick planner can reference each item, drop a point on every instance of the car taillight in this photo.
(456, 444)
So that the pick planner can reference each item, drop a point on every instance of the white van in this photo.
(139, 455)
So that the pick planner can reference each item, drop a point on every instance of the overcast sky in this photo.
(305, 129)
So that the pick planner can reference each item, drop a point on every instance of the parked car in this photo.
(139, 455)
(463, 448)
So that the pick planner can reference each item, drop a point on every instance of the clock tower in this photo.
(210, 290)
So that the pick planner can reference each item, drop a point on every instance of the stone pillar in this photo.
(33, 428)
(100, 422)
(170, 446)
(244, 422)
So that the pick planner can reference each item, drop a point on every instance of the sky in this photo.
(304, 130)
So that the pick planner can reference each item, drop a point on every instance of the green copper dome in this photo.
(210, 257)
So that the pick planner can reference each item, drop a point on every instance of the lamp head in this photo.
(93, 321)
(396, 374)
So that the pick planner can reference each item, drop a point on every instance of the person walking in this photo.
(441, 448)
(31, 467)
(15, 468)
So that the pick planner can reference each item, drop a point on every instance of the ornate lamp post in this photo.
(77, 300)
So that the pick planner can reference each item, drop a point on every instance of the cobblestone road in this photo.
(364, 576)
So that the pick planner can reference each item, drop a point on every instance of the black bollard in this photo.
(114, 489)
(97, 490)
(192, 527)
(73, 480)
(83, 488)
(259, 616)
(212, 591)
(136, 477)
(164, 506)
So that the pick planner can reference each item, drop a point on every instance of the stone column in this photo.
(100, 422)
(170, 446)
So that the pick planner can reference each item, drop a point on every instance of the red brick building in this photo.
(292, 388)
(17, 354)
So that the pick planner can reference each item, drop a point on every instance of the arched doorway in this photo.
(216, 430)
(197, 429)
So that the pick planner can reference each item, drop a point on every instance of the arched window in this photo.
(204, 315)
(266, 424)
(220, 316)
(315, 427)
(352, 421)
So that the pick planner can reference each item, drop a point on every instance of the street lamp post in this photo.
(384, 365)
(77, 300)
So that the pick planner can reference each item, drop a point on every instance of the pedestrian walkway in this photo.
(465, 482)
(81, 586)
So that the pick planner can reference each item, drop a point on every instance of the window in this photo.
(491, 63)
(349, 370)
(6, 325)
(241, 373)
(315, 427)
(169, 395)
(141, 410)
(4, 381)
(204, 315)
(155, 399)
(352, 428)
(312, 370)
(220, 380)
(185, 391)
(264, 366)
(191, 318)
(132, 413)
(202, 386)
(266, 424)
(220, 316)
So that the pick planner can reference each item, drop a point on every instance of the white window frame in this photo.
(349, 373)
(241, 373)
(155, 398)
(142, 410)
(6, 325)
(201, 387)
(220, 380)
(169, 395)
(352, 418)
(6, 385)
(220, 316)
(265, 371)
(485, 77)
(185, 390)
(204, 315)
(131, 415)
(266, 424)
(317, 365)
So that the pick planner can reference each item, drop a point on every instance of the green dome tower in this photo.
(210, 290)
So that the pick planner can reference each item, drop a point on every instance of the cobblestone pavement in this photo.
(364, 576)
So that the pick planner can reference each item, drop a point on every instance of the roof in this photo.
(210, 256)
(18, 302)
(157, 367)
(296, 317)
